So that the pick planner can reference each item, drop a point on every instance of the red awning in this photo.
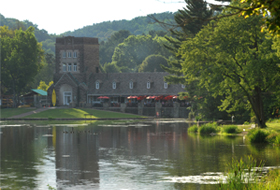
(159, 97)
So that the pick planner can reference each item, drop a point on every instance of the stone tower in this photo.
(76, 59)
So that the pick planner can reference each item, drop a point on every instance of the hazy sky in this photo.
(58, 16)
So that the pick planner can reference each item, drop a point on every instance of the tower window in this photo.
(69, 67)
(75, 54)
(75, 68)
(64, 67)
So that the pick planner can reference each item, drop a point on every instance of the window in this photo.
(75, 54)
(64, 67)
(114, 85)
(183, 86)
(131, 85)
(69, 54)
(97, 85)
(64, 54)
(75, 68)
(69, 67)
(165, 85)
(148, 85)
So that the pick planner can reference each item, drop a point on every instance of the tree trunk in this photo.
(257, 105)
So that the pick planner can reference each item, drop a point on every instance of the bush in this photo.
(258, 136)
(230, 129)
(208, 128)
(193, 129)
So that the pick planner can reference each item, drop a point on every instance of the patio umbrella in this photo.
(103, 97)
(175, 97)
(151, 97)
(141, 98)
(132, 97)
(159, 97)
(168, 97)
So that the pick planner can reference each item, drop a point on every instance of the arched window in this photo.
(148, 85)
(131, 85)
(97, 85)
(165, 85)
(114, 85)
(64, 67)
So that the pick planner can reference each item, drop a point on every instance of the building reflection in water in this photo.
(76, 158)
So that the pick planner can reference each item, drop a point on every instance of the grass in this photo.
(9, 112)
(231, 129)
(242, 175)
(209, 128)
(193, 129)
(80, 113)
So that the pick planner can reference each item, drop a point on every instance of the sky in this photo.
(58, 16)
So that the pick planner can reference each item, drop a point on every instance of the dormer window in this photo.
(69, 54)
(131, 85)
(114, 85)
(148, 85)
(97, 85)
(165, 85)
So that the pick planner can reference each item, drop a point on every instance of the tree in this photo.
(21, 57)
(153, 63)
(234, 59)
(111, 68)
(132, 52)
(44, 86)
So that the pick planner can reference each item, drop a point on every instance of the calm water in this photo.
(156, 155)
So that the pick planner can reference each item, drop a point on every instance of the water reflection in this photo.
(156, 155)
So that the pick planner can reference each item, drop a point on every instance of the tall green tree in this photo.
(21, 59)
(234, 59)
(153, 63)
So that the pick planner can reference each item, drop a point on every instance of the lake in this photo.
(147, 155)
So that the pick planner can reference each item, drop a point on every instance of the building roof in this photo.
(39, 91)
(139, 80)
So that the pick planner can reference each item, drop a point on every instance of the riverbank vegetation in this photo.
(246, 173)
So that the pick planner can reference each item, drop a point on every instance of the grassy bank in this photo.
(80, 113)
(9, 112)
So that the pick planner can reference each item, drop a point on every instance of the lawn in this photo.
(9, 112)
(80, 113)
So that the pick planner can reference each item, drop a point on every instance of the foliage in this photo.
(111, 68)
(209, 128)
(258, 136)
(241, 174)
(133, 51)
(44, 86)
(153, 63)
(193, 129)
(21, 57)
(230, 129)
(233, 59)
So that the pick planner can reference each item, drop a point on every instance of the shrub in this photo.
(246, 123)
(230, 129)
(193, 129)
(258, 136)
(208, 128)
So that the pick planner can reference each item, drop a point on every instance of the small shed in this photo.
(36, 97)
